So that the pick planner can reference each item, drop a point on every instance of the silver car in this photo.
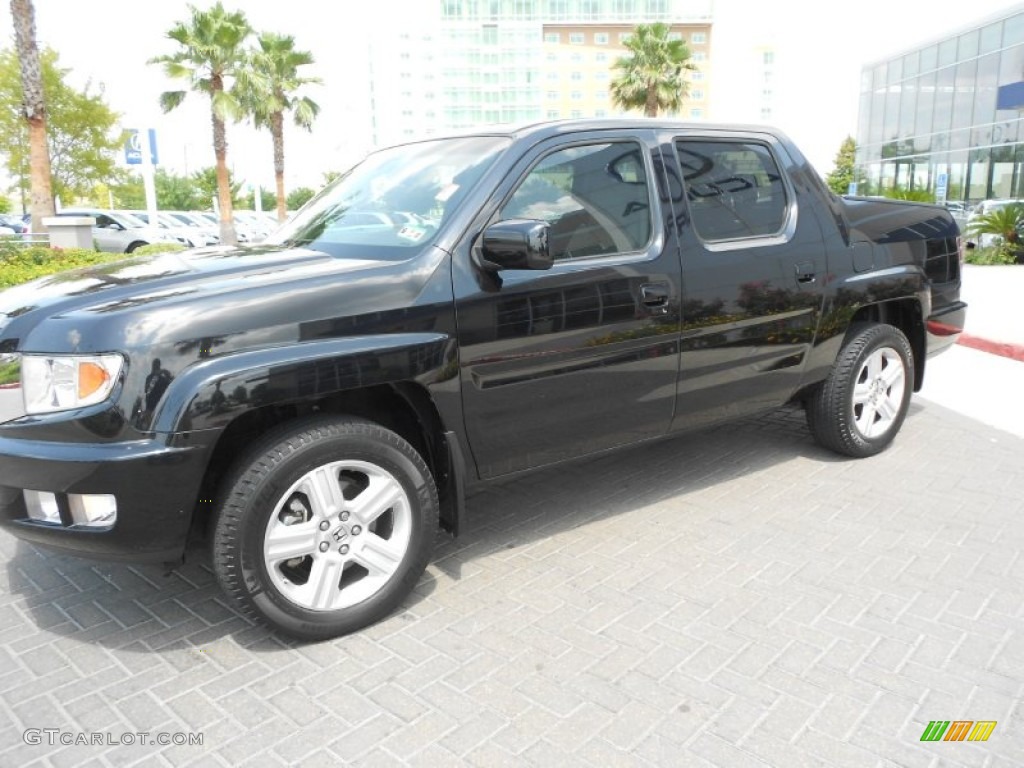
(186, 235)
(117, 232)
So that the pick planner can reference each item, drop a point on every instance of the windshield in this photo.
(393, 201)
(127, 220)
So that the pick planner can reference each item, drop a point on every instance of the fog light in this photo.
(98, 509)
(42, 506)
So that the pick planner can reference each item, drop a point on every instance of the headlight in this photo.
(56, 383)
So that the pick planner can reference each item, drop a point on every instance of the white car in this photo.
(972, 240)
(193, 237)
(117, 232)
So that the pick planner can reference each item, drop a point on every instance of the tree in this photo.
(206, 184)
(1003, 222)
(844, 172)
(33, 110)
(211, 57)
(298, 197)
(650, 76)
(246, 199)
(82, 130)
(173, 192)
(178, 193)
(272, 92)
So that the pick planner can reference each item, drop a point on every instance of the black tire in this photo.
(845, 426)
(131, 248)
(276, 486)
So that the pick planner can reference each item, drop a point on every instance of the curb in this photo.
(1001, 348)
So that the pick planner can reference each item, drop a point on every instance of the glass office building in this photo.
(948, 113)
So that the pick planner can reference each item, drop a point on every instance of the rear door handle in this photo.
(654, 295)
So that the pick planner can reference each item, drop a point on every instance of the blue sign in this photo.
(133, 147)
(941, 187)
(1010, 96)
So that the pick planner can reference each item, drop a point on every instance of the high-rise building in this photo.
(578, 61)
(467, 63)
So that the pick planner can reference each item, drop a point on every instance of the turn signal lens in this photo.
(91, 379)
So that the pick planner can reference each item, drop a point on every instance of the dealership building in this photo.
(948, 117)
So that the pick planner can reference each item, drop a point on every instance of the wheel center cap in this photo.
(340, 534)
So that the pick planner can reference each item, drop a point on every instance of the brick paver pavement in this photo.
(737, 597)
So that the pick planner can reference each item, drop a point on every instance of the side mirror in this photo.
(516, 244)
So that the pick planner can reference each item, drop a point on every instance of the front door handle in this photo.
(654, 295)
(805, 272)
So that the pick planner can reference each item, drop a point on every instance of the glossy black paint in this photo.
(515, 244)
(156, 480)
(565, 362)
(521, 368)
(752, 306)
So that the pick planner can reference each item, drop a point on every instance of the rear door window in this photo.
(734, 188)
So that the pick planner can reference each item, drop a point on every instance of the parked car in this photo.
(258, 225)
(16, 224)
(971, 239)
(191, 237)
(959, 210)
(212, 219)
(320, 403)
(194, 220)
(118, 232)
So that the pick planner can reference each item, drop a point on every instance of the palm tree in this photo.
(211, 56)
(271, 91)
(1004, 223)
(34, 110)
(651, 75)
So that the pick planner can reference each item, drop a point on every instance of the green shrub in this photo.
(151, 248)
(19, 263)
(911, 195)
(991, 255)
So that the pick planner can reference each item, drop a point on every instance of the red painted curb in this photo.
(1001, 348)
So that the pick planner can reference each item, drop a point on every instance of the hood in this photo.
(204, 275)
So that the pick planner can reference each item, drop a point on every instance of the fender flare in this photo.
(198, 399)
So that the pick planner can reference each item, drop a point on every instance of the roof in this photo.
(548, 128)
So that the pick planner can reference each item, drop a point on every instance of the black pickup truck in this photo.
(448, 312)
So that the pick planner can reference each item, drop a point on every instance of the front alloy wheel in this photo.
(338, 535)
(325, 527)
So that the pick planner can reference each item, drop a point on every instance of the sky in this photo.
(820, 48)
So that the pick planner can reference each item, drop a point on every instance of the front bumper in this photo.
(155, 483)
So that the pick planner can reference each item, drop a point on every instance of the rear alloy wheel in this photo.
(860, 407)
(326, 527)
